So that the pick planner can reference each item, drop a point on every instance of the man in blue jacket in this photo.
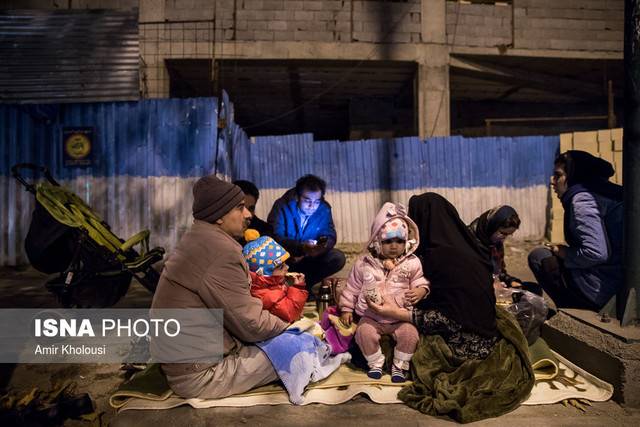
(303, 224)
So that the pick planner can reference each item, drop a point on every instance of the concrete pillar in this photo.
(434, 21)
(153, 73)
(433, 93)
(631, 162)
(433, 72)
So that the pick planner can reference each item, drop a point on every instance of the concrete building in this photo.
(348, 69)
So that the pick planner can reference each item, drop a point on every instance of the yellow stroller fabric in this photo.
(69, 209)
(66, 236)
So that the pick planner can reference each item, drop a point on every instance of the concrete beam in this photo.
(537, 53)
(318, 50)
(375, 51)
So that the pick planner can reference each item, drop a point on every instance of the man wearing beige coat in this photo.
(207, 270)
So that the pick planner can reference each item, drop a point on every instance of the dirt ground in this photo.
(24, 288)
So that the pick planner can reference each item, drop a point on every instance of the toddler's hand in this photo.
(346, 318)
(294, 279)
(415, 295)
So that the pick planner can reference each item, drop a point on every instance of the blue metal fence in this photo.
(156, 137)
(146, 156)
(148, 153)
(397, 164)
(474, 173)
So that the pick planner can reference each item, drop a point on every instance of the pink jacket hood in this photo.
(388, 212)
(407, 273)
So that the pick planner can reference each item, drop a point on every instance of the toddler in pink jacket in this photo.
(391, 272)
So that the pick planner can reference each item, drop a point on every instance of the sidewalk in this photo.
(25, 288)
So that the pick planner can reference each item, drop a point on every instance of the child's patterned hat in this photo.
(263, 254)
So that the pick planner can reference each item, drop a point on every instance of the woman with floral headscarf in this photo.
(491, 229)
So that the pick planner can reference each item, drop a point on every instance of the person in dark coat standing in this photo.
(302, 222)
(586, 272)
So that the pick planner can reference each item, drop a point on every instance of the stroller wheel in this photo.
(92, 290)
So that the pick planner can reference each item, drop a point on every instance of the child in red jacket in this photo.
(282, 293)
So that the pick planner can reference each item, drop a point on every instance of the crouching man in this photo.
(207, 270)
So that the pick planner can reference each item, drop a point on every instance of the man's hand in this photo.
(415, 295)
(346, 318)
(311, 249)
(559, 250)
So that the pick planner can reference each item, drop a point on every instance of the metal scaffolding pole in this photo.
(631, 162)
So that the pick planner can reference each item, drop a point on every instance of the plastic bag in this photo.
(529, 309)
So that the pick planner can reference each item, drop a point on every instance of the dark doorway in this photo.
(331, 99)
(511, 95)
(190, 78)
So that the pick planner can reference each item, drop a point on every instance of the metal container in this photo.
(324, 299)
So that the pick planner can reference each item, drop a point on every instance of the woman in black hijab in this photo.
(461, 304)
(472, 361)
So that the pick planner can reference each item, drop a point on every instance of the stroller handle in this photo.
(15, 171)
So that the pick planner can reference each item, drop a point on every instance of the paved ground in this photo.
(24, 288)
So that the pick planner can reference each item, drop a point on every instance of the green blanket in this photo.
(150, 384)
(545, 364)
(471, 390)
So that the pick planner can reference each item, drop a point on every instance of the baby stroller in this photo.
(67, 237)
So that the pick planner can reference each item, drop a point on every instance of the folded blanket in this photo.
(148, 389)
(471, 390)
(150, 384)
(340, 387)
(309, 326)
(300, 358)
(544, 362)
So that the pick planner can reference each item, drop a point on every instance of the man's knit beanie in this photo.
(213, 198)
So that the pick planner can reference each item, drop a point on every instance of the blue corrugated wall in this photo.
(156, 137)
(146, 156)
(148, 153)
(474, 173)
(397, 164)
